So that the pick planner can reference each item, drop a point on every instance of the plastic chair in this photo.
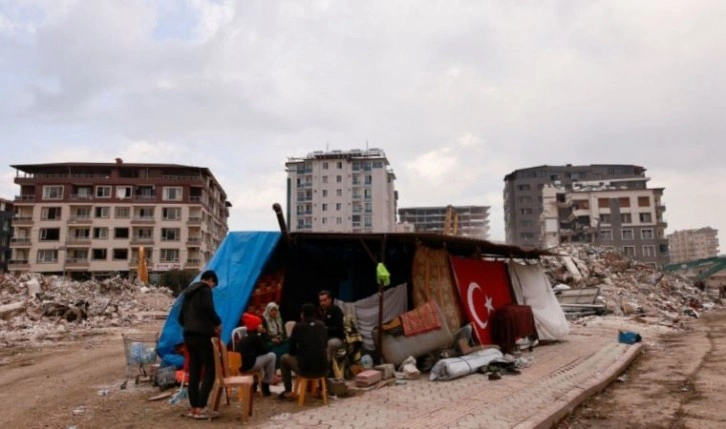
(237, 334)
(223, 382)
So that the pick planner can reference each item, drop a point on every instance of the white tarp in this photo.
(451, 368)
(365, 311)
(531, 287)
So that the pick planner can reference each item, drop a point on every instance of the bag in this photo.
(629, 337)
(166, 377)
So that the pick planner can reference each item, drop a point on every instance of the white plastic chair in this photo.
(237, 334)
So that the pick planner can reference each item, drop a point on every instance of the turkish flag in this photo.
(483, 287)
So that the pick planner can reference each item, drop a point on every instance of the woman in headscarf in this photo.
(275, 335)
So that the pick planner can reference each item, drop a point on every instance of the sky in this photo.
(458, 93)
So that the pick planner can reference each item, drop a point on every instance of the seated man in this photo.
(255, 355)
(332, 316)
(306, 357)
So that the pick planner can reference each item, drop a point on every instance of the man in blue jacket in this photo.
(200, 322)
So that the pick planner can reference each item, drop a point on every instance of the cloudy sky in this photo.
(457, 93)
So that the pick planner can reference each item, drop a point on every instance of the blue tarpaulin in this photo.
(238, 262)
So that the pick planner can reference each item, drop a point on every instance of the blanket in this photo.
(422, 319)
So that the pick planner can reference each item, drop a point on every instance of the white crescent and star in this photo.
(487, 304)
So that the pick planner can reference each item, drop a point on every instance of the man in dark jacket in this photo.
(255, 355)
(200, 322)
(332, 316)
(307, 356)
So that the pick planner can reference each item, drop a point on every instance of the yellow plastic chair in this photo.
(223, 381)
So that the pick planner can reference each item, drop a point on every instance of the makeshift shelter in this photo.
(255, 267)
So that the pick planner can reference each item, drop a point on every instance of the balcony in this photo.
(142, 220)
(77, 263)
(142, 241)
(28, 198)
(193, 263)
(660, 208)
(80, 220)
(21, 242)
(78, 241)
(23, 220)
(194, 221)
(194, 241)
(81, 197)
(18, 264)
(145, 197)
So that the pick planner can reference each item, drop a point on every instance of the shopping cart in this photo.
(140, 352)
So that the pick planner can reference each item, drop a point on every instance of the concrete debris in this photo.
(36, 308)
(626, 287)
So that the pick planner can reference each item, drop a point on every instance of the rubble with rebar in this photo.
(628, 287)
(36, 308)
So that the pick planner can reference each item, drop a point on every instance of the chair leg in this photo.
(214, 400)
(302, 388)
(324, 388)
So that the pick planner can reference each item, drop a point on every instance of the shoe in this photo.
(286, 396)
(266, 389)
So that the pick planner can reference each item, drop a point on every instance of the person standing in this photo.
(255, 355)
(200, 322)
(307, 356)
(332, 316)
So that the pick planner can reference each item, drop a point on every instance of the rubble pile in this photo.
(628, 287)
(36, 308)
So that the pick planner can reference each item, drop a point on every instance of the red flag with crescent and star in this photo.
(483, 287)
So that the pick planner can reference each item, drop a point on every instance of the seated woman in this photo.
(275, 335)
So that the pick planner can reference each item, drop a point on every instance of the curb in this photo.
(567, 403)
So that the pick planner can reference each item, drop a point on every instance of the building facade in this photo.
(91, 219)
(339, 191)
(692, 244)
(473, 221)
(610, 213)
(523, 194)
(6, 233)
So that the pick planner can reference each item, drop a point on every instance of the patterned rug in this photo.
(432, 281)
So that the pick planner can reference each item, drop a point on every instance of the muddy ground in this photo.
(679, 382)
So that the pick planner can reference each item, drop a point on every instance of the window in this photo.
(643, 201)
(121, 233)
(47, 256)
(103, 192)
(646, 234)
(325, 192)
(82, 213)
(52, 192)
(645, 217)
(338, 206)
(368, 221)
(172, 193)
(527, 236)
(624, 201)
(377, 164)
(605, 218)
(325, 179)
(50, 213)
(369, 179)
(120, 254)
(606, 235)
(524, 187)
(170, 234)
(324, 220)
(525, 199)
(626, 218)
(627, 234)
(98, 254)
(338, 192)
(325, 166)
(171, 213)
(145, 234)
(100, 233)
(325, 207)
(649, 251)
(339, 179)
(367, 194)
(339, 220)
(526, 211)
(169, 255)
(339, 165)
(123, 212)
(103, 212)
(81, 234)
(123, 192)
(581, 204)
(603, 203)
(301, 223)
(49, 234)
(629, 251)
(525, 222)
(145, 213)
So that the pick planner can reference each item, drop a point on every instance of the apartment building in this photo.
(6, 233)
(472, 221)
(691, 244)
(341, 191)
(91, 219)
(523, 194)
(607, 213)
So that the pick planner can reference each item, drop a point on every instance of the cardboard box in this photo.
(386, 369)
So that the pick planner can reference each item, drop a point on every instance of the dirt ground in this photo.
(76, 384)
(676, 383)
